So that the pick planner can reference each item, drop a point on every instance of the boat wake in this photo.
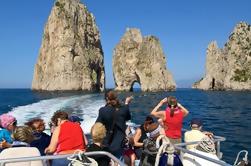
(85, 106)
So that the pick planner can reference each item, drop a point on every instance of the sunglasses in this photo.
(51, 124)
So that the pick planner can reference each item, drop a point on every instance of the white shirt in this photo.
(193, 135)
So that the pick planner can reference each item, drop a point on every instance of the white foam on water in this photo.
(85, 106)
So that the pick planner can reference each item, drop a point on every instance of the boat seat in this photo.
(19, 152)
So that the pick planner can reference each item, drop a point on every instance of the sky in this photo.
(184, 28)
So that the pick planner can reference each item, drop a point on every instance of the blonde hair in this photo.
(98, 132)
(23, 133)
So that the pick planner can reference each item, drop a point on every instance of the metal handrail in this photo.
(50, 157)
(220, 162)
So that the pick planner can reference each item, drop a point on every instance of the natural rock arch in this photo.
(135, 81)
(140, 59)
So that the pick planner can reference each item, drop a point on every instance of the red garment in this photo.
(70, 137)
(174, 124)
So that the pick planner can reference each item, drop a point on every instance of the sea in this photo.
(225, 113)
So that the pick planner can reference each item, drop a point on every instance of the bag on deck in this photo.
(80, 159)
(166, 154)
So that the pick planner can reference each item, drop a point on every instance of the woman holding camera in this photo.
(172, 117)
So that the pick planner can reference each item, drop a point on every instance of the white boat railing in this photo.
(51, 157)
(179, 146)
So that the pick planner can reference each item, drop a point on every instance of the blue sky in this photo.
(184, 28)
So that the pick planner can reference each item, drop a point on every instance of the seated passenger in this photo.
(66, 138)
(206, 148)
(76, 119)
(41, 139)
(21, 148)
(195, 134)
(150, 149)
(98, 133)
(140, 136)
(8, 125)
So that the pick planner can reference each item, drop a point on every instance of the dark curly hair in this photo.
(59, 115)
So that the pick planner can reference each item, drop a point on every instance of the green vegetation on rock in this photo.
(241, 75)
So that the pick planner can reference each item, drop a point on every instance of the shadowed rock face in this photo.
(71, 56)
(229, 68)
(140, 59)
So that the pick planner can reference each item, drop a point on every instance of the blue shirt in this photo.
(5, 135)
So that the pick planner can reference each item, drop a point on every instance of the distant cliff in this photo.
(71, 56)
(142, 60)
(229, 68)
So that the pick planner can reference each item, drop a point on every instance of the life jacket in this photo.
(166, 155)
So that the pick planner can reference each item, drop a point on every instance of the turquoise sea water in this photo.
(226, 114)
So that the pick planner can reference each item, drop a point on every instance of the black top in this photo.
(101, 159)
(41, 141)
(107, 116)
(143, 133)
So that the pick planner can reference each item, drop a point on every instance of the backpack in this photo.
(80, 159)
(166, 155)
(149, 152)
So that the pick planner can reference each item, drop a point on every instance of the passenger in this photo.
(8, 124)
(98, 133)
(128, 153)
(172, 118)
(22, 136)
(41, 139)
(150, 149)
(206, 148)
(114, 116)
(78, 120)
(66, 138)
(140, 136)
(195, 134)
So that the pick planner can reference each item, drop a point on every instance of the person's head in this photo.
(196, 124)
(111, 99)
(23, 134)
(172, 104)
(58, 117)
(8, 122)
(76, 119)
(36, 125)
(149, 120)
(154, 130)
(98, 132)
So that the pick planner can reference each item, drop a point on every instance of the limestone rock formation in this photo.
(229, 68)
(140, 59)
(71, 56)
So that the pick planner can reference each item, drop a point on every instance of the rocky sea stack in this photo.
(71, 55)
(229, 68)
(140, 59)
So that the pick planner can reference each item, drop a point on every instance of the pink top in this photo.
(70, 137)
(174, 124)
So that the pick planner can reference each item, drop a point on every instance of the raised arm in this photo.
(159, 114)
(183, 109)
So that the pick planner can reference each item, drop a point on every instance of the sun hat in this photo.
(154, 130)
(75, 118)
(6, 119)
(196, 121)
